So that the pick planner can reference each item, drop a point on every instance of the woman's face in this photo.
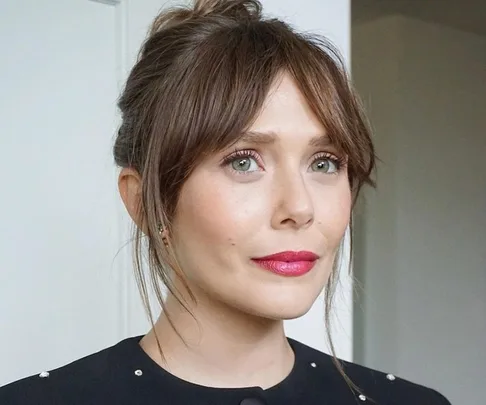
(283, 190)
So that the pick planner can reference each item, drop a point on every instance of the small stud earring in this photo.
(163, 232)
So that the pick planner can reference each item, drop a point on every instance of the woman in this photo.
(242, 150)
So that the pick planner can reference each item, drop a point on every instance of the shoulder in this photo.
(375, 386)
(86, 380)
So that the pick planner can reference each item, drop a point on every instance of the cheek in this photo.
(333, 212)
(217, 215)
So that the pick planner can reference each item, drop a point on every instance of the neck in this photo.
(205, 345)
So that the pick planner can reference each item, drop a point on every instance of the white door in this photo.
(66, 288)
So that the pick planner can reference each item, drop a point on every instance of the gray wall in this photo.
(421, 235)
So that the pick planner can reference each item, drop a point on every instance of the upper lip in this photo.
(291, 256)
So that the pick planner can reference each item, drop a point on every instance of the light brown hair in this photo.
(200, 80)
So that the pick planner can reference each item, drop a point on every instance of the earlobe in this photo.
(130, 189)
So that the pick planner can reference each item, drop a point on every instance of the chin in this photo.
(279, 309)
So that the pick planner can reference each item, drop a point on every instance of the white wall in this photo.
(58, 237)
(62, 287)
(422, 231)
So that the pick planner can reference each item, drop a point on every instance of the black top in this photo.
(125, 375)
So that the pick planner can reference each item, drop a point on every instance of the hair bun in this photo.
(238, 10)
(234, 9)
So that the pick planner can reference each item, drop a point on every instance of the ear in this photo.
(130, 188)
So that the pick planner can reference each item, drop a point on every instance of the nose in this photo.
(293, 203)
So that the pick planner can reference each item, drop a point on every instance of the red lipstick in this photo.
(288, 263)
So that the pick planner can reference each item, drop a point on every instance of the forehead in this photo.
(287, 112)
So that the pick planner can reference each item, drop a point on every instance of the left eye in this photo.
(325, 165)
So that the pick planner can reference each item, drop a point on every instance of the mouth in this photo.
(289, 263)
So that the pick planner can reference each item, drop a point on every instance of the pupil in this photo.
(322, 164)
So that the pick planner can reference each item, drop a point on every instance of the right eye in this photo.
(243, 162)
(246, 164)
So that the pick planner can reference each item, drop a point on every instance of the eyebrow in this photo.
(266, 138)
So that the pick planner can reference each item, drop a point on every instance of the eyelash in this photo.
(340, 162)
(241, 154)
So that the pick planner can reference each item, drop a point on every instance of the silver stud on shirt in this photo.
(391, 377)
(44, 374)
(362, 397)
(138, 373)
(313, 365)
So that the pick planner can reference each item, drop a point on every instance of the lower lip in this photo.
(290, 269)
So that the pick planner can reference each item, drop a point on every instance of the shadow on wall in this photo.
(420, 250)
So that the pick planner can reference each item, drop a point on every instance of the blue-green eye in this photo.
(244, 164)
(325, 164)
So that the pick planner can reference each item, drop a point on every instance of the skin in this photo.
(289, 195)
